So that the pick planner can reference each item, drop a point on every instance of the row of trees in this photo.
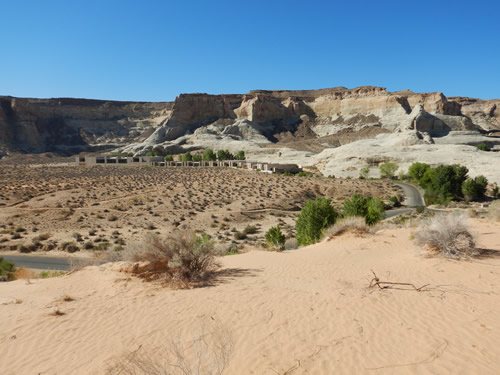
(447, 182)
(208, 155)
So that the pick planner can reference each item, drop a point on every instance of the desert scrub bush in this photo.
(250, 229)
(475, 188)
(239, 235)
(275, 238)
(388, 169)
(7, 270)
(354, 224)
(314, 218)
(182, 257)
(494, 210)
(448, 235)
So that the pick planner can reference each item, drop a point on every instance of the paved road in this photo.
(413, 199)
(42, 263)
(412, 195)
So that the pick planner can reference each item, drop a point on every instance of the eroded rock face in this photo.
(484, 113)
(40, 125)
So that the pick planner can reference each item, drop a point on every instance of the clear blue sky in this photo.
(154, 50)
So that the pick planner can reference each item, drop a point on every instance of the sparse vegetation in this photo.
(353, 224)
(448, 235)
(208, 354)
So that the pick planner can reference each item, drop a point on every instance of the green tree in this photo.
(475, 188)
(417, 170)
(187, 157)
(197, 157)
(209, 155)
(388, 169)
(275, 238)
(356, 206)
(151, 153)
(224, 155)
(240, 155)
(168, 158)
(314, 218)
(374, 211)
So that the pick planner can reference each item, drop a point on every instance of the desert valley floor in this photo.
(302, 311)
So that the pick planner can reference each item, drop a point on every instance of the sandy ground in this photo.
(305, 311)
(98, 208)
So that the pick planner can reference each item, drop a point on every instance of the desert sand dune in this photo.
(306, 311)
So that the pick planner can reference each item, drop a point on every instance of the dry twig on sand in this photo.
(391, 285)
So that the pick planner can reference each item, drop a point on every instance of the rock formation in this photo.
(308, 127)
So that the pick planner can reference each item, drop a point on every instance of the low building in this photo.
(158, 161)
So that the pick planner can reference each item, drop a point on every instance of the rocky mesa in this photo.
(355, 127)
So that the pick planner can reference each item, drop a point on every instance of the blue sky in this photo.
(155, 50)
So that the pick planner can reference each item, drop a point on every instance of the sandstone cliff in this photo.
(296, 119)
(40, 125)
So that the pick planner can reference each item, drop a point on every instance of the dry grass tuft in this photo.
(179, 258)
(447, 235)
(351, 224)
(494, 210)
(208, 354)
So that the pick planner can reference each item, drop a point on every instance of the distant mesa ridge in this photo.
(285, 117)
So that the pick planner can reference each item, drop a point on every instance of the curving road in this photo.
(412, 196)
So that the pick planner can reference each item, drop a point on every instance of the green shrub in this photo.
(197, 157)
(314, 218)
(372, 209)
(209, 155)
(375, 211)
(224, 155)
(444, 183)
(483, 147)
(275, 238)
(168, 158)
(187, 157)
(151, 153)
(7, 270)
(304, 174)
(240, 155)
(417, 171)
(388, 169)
(356, 206)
